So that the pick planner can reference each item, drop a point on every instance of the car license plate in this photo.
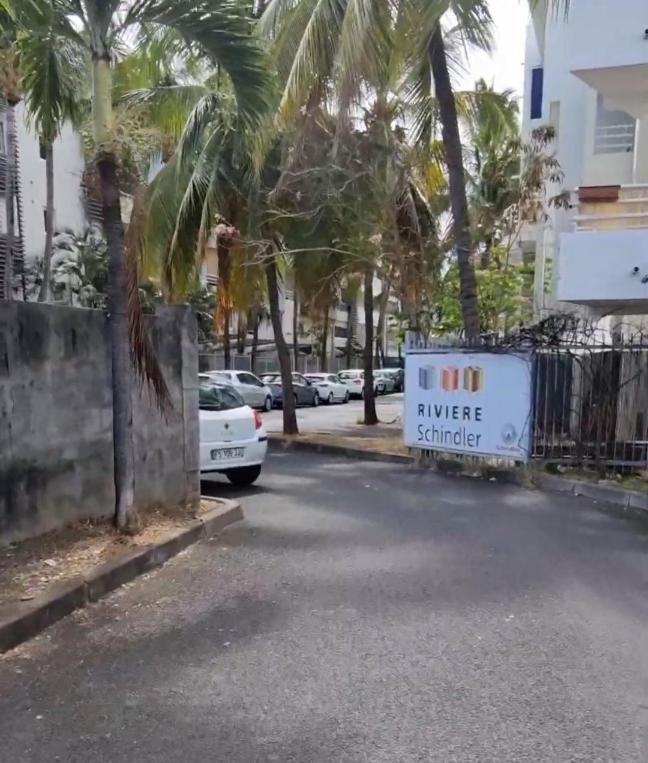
(223, 454)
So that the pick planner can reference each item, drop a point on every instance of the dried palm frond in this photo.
(144, 358)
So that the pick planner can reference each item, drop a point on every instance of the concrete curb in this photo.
(629, 501)
(622, 501)
(24, 620)
(277, 442)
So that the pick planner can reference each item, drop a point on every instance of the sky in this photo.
(506, 64)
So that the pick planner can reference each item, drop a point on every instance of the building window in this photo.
(614, 131)
(537, 85)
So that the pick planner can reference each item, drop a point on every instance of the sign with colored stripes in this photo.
(468, 402)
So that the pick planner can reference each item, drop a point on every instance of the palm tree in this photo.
(96, 28)
(52, 75)
(349, 44)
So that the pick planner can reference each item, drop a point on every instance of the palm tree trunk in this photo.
(370, 416)
(241, 333)
(44, 293)
(289, 415)
(349, 341)
(382, 320)
(7, 292)
(255, 339)
(456, 182)
(295, 328)
(122, 369)
(323, 346)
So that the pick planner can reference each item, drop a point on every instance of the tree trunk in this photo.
(289, 415)
(7, 292)
(349, 341)
(122, 369)
(456, 182)
(295, 328)
(370, 416)
(223, 254)
(382, 321)
(324, 343)
(255, 339)
(45, 291)
(241, 333)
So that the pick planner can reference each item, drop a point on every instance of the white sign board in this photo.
(477, 403)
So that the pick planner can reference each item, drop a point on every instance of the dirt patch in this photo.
(28, 567)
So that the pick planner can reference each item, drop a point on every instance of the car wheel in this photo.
(330, 400)
(246, 475)
(346, 396)
(267, 406)
(316, 400)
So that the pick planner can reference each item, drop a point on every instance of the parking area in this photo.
(339, 417)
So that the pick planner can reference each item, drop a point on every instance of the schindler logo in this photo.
(450, 377)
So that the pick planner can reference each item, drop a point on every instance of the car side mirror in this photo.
(309, 382)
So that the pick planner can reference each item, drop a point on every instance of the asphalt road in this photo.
(363, 612)
(338, 417)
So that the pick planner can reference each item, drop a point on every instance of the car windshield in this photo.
(212, 397)
(315, 377)
(350, 375)
(271, 378)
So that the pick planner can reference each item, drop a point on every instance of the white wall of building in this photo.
(594, 61)
(69, 164)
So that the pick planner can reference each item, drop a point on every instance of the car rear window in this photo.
(212, 398)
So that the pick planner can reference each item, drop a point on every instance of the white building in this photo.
(587, 75)
(69, 165)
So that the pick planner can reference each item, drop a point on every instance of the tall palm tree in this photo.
(349, 42)
(97, 29)
(52, 75)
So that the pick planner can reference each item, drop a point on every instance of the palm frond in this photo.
(220, 29)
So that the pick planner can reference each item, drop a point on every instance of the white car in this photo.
(331, 389)
(387, 379)
(253, 391)
(354, 380)
(233, 440)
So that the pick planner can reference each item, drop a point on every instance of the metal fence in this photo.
(591, 406)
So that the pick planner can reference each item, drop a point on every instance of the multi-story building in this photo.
(30, 201)
(587, 75)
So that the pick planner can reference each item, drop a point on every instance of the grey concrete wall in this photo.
(56, 417)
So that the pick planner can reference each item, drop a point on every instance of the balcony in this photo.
(603, 263)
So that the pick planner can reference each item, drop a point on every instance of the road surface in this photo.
(363, 612)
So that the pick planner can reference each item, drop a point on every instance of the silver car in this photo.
(254, 392)
(387, 378)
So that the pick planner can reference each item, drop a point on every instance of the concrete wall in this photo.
(56, 448)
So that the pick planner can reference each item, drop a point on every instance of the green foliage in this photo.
(505, 297)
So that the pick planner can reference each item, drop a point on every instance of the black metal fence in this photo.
(591, 405)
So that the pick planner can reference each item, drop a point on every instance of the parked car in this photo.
(330, 387)
(398, 375)
(233, 440)
(305, 392)
(253, 391)
(354, 379)
(383, 375)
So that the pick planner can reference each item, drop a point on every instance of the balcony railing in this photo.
(614, 139)
(612, 208)
(3, 174)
